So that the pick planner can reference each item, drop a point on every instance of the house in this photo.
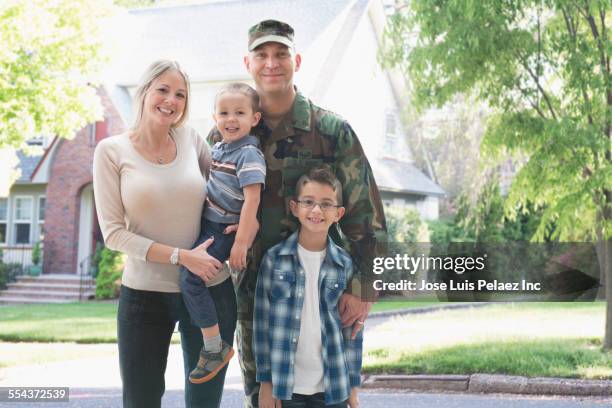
(338, 39)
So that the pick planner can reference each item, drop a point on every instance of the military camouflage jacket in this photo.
(309, 135)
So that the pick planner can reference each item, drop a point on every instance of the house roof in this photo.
(27, 165)
(210, 40)
(403, 177)
(216, 33)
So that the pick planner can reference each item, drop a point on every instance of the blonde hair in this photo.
(154, 71)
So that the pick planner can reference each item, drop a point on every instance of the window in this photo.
(23, 220)
(42, 201)
(3, 220)
(92, 134)
(390, 134)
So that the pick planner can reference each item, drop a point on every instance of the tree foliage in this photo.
(544, 67)
(50, 51)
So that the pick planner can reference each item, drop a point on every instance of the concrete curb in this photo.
(492, 384)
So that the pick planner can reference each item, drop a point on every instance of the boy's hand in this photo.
(237, 258)
(353, 401)
(266, 400)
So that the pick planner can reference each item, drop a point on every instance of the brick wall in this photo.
(71, 171)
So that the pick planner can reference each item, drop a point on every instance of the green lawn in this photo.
(388, 305)
(93, 322)
(535, 339)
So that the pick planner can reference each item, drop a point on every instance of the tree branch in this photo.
(569, 23)
(535, 79)
(588, 104)
(532, 103)
(593, 25)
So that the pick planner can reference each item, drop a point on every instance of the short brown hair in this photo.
(322, 174)
(240, 88)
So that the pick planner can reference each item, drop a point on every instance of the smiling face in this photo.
(314, 220)
(165, 100)
(272, 66)
(234, 115)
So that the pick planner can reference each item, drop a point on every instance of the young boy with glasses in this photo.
(303, 356)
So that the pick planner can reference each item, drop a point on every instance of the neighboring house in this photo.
(338, 39)
(52, 201)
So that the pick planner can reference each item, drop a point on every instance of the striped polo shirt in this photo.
(234, 166)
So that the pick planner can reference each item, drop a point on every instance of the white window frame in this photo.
(40, 223)
(22, 221)
(4, 240)
(391, 138)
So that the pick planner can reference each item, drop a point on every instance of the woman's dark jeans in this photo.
(145, 322)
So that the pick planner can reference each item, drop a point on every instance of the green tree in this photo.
(50, 51)
(543, 66)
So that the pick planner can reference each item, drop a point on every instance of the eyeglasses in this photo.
(324, 206)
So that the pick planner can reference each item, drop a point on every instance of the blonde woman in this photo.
(150, 186)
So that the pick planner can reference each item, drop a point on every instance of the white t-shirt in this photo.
(308, 369)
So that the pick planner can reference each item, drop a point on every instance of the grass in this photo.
(553, 358)
(537, 339)
(388, 305)
(93, 322)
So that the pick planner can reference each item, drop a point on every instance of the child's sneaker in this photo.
(210, 364)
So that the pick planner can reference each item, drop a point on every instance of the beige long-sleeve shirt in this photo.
(139, 202)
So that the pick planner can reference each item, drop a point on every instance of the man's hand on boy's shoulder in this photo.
(353, 312)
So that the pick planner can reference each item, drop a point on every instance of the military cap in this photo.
(270, 31)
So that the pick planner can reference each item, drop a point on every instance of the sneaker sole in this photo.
(213, 373)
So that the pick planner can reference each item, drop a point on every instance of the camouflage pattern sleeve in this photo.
(364, 221)
(214, 136)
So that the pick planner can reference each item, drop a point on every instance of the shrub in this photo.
(9, 272)
(36, 253)
(110, 269)
(95, 261)
(405, 225)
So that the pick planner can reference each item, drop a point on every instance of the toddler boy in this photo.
(237, 175)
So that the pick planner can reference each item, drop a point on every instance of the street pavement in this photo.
(232, 398)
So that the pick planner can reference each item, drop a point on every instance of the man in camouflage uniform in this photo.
(296, 135)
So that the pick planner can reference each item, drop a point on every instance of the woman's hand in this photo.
(353, 401)
(199, 262)
(266, 400)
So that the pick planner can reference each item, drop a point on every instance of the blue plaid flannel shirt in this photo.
(279, 298)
